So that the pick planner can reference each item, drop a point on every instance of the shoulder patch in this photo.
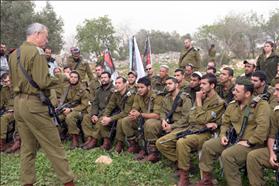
(276, 108)
(40, 50)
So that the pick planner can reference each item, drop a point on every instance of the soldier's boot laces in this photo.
(2, 145)
(91, 144)
(119, 147)
(74, 143)
(206, 180)
(140, 155)
(107, 144)
(71, 183)
(133, 147)
(14, 147)
(183, 178)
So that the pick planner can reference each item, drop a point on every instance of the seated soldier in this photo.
(145, 110)
(102, 96)
(182, 83)
(206, 113)
(118, 107)
(265, 157)
(7, 115)
(249, 119)
(75, 97)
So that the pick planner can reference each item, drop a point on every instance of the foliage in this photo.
(96, 34)
(49, 18)
(15, 17)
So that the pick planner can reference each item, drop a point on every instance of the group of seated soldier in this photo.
(161, 115)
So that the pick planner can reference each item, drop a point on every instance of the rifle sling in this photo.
(244, 123)
(174, 106)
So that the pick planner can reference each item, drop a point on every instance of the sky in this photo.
(181, 16)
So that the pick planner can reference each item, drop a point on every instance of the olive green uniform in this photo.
(192, 92)
(83, 68)
(34, 123)
(212, 53)
(269, 65)
(93, 86)
(180, 150)
(141, 104)
(76, 93)
(234, 157)
(268, 96)
(97, 108)
(259, 158)
(227, 94)
(159, 85)
(122, 103)
(6, 102)
(192, 56)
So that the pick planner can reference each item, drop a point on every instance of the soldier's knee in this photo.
(251, 158)
(158, 144)
(226, 155)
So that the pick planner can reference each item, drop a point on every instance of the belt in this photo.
(28, 96)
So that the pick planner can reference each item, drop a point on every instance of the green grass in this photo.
(123, 170)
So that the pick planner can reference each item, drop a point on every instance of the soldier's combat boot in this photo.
(74, 143)
(206, 179)
(90, 144)
(119, 147)
(183, 178)
(140, 155)
(71, 183)
(133, 147)
(14, 147)
(153, 155)
(2, 145)
(106, 144)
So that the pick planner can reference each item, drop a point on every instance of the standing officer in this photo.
(189, 55)
(255, 114)
(265, 157)
(34, 123)
(206, 112)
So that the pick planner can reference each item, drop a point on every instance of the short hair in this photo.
(248, 86)
(230, 70)
(99, 65)
(4, 76)
(106, 72)
(145, 81)
(189, 65)
(75, 72)
(65, 67)
(179, 70)
(124, 80)
(173, 79)
(35, 28)
(211, 79)
(212, 68)
(47, 48)
(260, 74)
(270, 43)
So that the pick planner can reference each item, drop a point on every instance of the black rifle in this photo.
(44, 99)
(173, 108)
(232, 136)
(112, 131)
(276, 151)
(184, 133)
(140, 126)
(60, 109)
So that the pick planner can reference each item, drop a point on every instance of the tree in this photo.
(15, 17)
(96, 34)
(271, 27)
(55, 25)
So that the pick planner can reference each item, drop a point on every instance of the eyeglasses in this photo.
(148, 69)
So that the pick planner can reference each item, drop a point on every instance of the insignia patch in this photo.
(40, 50)
(213, 114)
